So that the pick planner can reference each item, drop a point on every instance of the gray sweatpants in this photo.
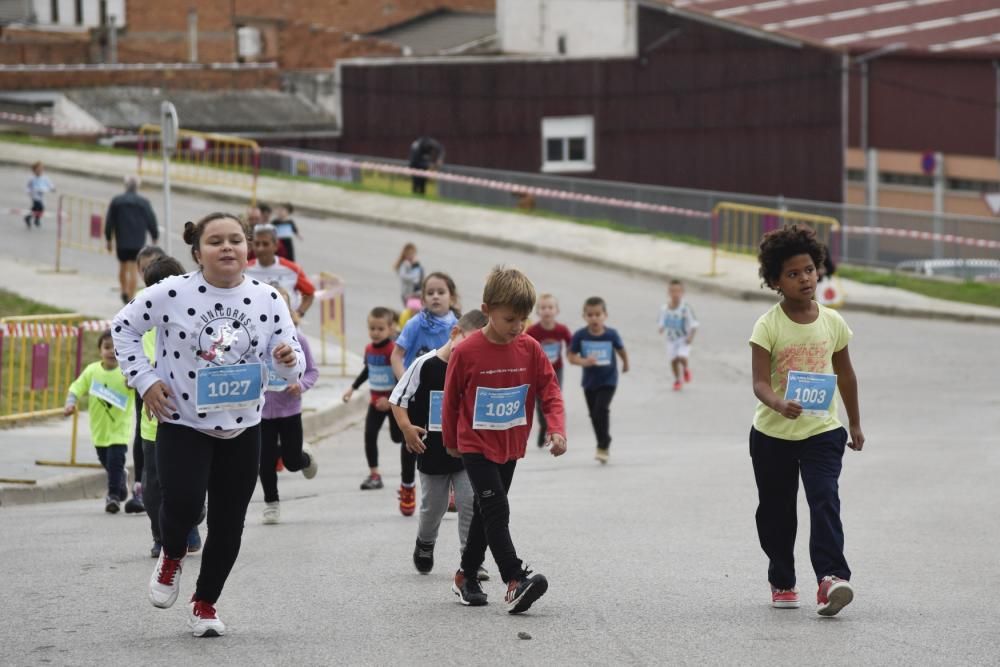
(434, 491)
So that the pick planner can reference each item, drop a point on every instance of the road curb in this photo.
(82, 485)
(699, 281)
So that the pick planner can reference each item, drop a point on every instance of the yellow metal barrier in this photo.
(737, 228)
(331, 302)
(203, 157)
(80, 225)
(40, 356)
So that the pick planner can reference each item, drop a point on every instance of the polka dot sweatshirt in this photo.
(201, 329)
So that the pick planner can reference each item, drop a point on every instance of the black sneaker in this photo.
(134, 506)
(423, 556)
(111, 505)
(27, 221)
(372, 482)
(523, 591)
(469, 592)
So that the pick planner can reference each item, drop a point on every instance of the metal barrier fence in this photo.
(332, 323)
(868, 237)
(737, 228)
(202, 157)
(80, 225)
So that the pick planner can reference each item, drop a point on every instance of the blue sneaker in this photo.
(154, 551)
(194, 541)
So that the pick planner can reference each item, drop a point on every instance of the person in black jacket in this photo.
(128, 220)
(425, 153)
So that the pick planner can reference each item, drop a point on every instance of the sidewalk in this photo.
(639, 253)
(322, 408)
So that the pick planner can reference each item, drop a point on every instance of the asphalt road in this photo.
(652, 559)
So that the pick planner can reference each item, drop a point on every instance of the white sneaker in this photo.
(166, 581)
(272, 513)
(203, 621)
(310, 470)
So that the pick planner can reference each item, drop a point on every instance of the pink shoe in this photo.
(687, 375)
(677, 385)
(833, 595)
(784, 598)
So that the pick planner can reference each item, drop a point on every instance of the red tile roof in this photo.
(954, 27)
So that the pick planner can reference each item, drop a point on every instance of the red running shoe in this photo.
(687, 375)
(452, 507)
(280, 465)
(407, 500)
(833, 595)
(784, 598)
(677, 385)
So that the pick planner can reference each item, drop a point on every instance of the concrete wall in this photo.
(594, 28)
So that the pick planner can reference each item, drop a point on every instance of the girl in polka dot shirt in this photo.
(216, 330)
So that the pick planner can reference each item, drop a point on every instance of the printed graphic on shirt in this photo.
(813, 391)
(434, 411)
(108, 395)
(806, 357)
(601, 350)
(499, 409)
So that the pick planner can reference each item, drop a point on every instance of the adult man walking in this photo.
(128, 220)
(425, 153)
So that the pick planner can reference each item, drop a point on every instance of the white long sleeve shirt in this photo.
(203, 335)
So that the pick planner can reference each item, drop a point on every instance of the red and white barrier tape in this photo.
(25, 211)
(51, 330)
(39, 119)
(922, 236)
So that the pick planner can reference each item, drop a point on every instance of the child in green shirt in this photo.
(111, 410)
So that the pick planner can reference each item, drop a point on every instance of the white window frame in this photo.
(565, 128)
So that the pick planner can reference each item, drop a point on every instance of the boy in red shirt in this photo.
(490, 390)
(554, 339)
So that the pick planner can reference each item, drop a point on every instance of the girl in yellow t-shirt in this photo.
(800, 361)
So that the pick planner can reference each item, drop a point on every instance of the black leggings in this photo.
(490, 518)
(280, 437)
(373, 424)
(191, 463)
(599, 406)
(138, 455)
(151, 488)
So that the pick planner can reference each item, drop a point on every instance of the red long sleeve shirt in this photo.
(490, 393)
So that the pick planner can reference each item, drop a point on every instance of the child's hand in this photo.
(857, 441)
(382, 404)
(157, 402)
(589, 361)
(662, 329)
(689, 340)
(556, 444)
(789, 409)
(68, 410)
(625, 366)
(293, 389)
(347, 395)
(414, 442)
(453, 451)
(284, 355)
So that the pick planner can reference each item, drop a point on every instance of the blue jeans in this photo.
(112, 458)
(777, 465)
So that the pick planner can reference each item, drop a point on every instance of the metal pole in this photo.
(864, 106)
(193, 35)
(112, 41)
(871, 201)
(167, 227)
(996, 138)
(939, 187)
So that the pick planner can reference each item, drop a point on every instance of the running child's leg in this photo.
(434, 492)
(373, 424)
(151, 488)
(290, 436)
(601, 415)
(232, 480)
(465, 500)
(491, 520)
(117, 473)
(408, 466)
(102, 456)
(270, 451)
(776, 471)
(183, 460)
(821, 461)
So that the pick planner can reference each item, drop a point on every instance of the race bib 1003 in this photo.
(381, 378)
(108, 395)
(813, 391)
(434, 411)
(500, 409)
(227, 387)
(553, 350)
(601, 350)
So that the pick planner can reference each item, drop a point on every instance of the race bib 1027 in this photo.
(227, 387)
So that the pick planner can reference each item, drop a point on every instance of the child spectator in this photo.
(493, 381)
(678, 322)
(411, 274)
(597, 347)
(286, 229)
(110, 408)
(38, 186)
(799, 361)
(554, 339)
(378, 372)
(281, 427)
(416, 404)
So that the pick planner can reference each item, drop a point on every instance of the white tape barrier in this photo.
(922, 236)
(26, 211)
(39, 119)
(42, 329)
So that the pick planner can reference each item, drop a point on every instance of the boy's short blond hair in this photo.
(472, 320)
(548, 296)
(509, 287)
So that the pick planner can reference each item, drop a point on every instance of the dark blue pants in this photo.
(113, 458)
(777, 465)
(543, 426)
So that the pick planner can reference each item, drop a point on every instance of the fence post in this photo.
(715, 241)
(59, 231)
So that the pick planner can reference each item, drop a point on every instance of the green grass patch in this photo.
(58, 142)
(13, 305)
(967, 291)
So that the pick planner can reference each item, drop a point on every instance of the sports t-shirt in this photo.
(605, 374)
(421, 385)
(798, 347)
(677, 322)
(111, 404)
(425, 332)
(285, 274)
(489, 397)
(147, 424)
(377, 370)
(553, 341)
